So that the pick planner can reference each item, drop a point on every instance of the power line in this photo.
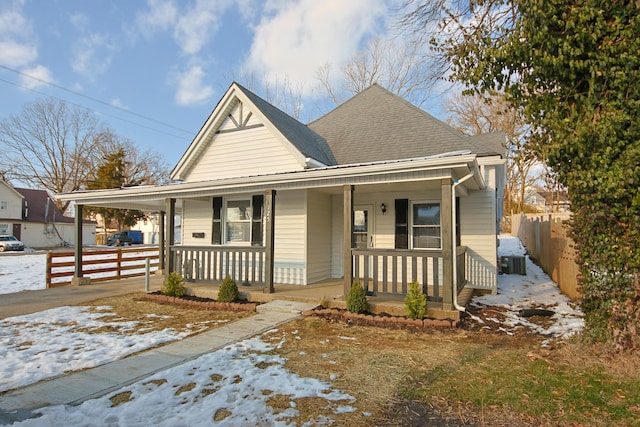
(100, 112)
(99, 101)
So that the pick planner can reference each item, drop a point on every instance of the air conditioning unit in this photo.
(513, 264)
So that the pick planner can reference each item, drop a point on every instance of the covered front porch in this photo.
(318, 230)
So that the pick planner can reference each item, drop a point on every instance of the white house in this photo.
(376, 190)
(32, 217)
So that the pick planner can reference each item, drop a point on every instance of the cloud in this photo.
(92, 55)
(296, 38)
(18, 47)
(199, 23)
(39, 76)
(161, 15)
(16, 54)
(191, 90)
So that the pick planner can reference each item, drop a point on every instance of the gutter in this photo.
(453, 243)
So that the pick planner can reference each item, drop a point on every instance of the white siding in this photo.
(478, 234)
(245, 152)
(318, 236)
(14, 204)
(337, 207)
(197, 217)
(290, 229)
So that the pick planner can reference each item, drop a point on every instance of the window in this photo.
(4, 229)
(3, 205)
(237, 221)
(425, 226)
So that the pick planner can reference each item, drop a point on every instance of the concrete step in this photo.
(282, 306)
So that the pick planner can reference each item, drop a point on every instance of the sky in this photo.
(153, 70)
(70, 340)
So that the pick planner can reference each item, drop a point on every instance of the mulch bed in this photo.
(381, 320)
(199, 303)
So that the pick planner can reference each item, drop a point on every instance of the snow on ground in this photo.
(27, 271)
(22, 272)
(535, 290)
(51, 342)
(232, 385)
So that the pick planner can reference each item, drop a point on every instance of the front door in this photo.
(362, 227)
(17, 228)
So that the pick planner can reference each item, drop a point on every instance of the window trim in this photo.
(220, 220)
(412, 225)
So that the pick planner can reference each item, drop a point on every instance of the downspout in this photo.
(453, 243)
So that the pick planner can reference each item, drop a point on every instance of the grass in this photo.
(536, 387)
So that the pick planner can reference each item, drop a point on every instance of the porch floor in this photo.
(329, 293)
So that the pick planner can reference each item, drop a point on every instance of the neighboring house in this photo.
(32, 217)
(376, 191)
(534, 200)
(556, 201)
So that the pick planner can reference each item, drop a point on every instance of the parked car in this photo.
(10, 243)
(125, 238)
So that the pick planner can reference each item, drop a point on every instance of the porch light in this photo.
(383, 208)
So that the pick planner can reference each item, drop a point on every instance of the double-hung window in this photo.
(425, 225)
(237, 221)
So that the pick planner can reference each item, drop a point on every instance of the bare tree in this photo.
(478, 114)
(50, 145)
(395, 64)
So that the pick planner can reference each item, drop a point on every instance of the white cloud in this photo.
(16, 54)
(40, 76)
(12, 20)
(301, 36)
(18, 47)
(191, 89)
(117, 102)
(92, 55)
(161, 15)
(199, 23)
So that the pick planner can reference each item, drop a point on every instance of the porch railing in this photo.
(389, 271)
(242, 264)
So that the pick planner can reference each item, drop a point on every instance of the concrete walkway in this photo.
(75, 388)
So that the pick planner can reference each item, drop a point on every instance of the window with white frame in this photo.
(425, 225)
(237, 221)
(4, 229)
(3, 205)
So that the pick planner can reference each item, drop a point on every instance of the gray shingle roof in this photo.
(303, 138)
(376, 125)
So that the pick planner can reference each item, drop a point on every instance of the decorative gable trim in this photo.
(234, 97)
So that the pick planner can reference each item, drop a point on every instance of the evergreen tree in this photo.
(111, 174)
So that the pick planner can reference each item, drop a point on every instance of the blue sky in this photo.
(154, 69)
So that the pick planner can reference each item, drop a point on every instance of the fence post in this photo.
(118, 263)
(48, 270)
(147, 270)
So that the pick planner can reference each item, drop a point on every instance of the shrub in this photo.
(228, 291)
(415, 302)
(174, 285)
(357, 299)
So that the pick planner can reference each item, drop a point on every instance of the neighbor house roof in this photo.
(376, 125)
(40, 208)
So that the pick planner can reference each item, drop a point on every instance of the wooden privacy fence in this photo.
(101, 264)
(547, 240)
